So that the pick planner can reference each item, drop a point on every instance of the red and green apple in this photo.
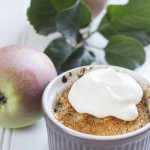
(24, 74)
(96, 6)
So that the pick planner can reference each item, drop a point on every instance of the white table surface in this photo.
(15, 29)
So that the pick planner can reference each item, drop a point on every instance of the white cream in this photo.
(105, 92)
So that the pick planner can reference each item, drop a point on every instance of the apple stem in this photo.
(3, 99)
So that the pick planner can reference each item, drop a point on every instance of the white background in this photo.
(15, 29)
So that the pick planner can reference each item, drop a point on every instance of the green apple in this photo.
(96, 6)
(24, 74)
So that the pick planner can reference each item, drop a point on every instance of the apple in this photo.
(24, 74)
(96, 6)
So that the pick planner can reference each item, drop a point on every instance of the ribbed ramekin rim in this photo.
(48, 113)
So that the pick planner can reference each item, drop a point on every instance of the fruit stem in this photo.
(3, 99)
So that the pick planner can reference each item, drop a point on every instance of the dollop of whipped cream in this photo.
(105, 92)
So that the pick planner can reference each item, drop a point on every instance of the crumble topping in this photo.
(88, 124)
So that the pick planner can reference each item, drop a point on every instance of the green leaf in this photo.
(59, 51)
(131, 19)
(62, 4)
(69, 22)
(125, 52)
(79, 57)
(42, 16)
(143, 37)
(65, 56)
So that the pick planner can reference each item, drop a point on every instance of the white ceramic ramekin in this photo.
(61, 137)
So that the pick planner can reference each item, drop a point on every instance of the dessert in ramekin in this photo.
(134, 136)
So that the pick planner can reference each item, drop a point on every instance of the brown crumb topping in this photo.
(85, 123)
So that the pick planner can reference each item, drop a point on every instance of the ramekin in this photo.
(61, 137)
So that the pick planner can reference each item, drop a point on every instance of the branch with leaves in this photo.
(127, 28)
